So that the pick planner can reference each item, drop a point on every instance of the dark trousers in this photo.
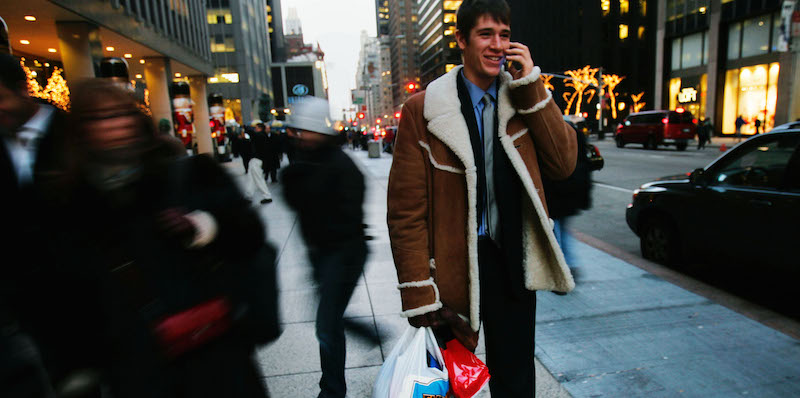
(508, 320)
(336, 271)
(22, 373)
(246, 160)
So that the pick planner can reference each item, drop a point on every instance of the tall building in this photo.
(724, 58)
(404, 47)
(438, 50)
(277, 43)
(372, 95)
(240, 49)
(382, 17)
(616, 35)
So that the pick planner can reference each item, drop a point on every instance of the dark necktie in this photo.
(492, 213)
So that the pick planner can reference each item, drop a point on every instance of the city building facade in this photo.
(240, 47)
(438, 49)
(372, 95)
(277, 43)
(722, 59)
(404, 41)
(157, 41)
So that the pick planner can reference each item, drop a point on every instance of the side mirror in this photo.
(697, 178)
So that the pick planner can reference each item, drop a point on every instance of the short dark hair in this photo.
(11, 74)
(470, 10)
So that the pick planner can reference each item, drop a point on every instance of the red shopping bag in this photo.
(468, 374)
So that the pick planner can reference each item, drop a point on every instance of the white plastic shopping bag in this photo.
(414, 369)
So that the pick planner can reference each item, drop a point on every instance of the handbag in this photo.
(194, 327)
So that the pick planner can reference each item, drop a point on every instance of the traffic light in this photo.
(397, 115)
(361, 115)
(412, 87)
(377, 121)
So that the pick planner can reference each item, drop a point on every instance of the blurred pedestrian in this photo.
(154, 233)
(243, 146)
(326, 189)
(30, 133)
(758, 126)
(739, 123)
(272, 155)
(703, 134)
(566, 198)
(467, 217)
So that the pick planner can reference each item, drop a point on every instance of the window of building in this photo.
(692, 51)
(641, 33)
(224, 75)
(751, 92)
(222, 44)
(449, 17)
(219, 16)
(452, 5)
(676, 54)
(734, 40)
(605, 6)
(623, 31)
(643, 7)
(624, 7)
(776, 31)
(755, 36)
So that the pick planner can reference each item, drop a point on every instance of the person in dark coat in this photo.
(29, 131)
(243, 146)
(153, 232)
(566, 198)
(272, 160)
(326, 189)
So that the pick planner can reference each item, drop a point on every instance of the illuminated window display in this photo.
(690, 94)
(751, 92)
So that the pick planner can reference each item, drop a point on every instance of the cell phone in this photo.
(517, 65)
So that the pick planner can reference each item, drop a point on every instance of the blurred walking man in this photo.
(467, 216)
(326, 189)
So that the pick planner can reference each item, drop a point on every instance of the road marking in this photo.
(599, 184)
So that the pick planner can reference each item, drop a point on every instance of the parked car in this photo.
(654, 128)
(743, 208)
(791, 125)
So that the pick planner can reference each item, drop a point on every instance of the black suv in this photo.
(744, 208)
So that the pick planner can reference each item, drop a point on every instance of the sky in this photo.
(337, 26)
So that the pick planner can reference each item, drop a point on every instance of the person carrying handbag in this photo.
(170, 247)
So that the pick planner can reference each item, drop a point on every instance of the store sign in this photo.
(300, 90)
(687, 94)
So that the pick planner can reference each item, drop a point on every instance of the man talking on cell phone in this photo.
(467, 217)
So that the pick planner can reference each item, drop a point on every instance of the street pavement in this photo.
(623, 332)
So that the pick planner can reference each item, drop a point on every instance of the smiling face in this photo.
(484, 50)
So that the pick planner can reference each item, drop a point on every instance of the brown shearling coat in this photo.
(433, 191)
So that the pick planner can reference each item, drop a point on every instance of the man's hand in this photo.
(518, 52)
(431, 319)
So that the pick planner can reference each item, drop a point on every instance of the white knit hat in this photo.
(311, 114)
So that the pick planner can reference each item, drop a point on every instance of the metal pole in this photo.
(600, 131)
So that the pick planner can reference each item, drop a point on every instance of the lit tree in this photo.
(34, 89)
(580, 80)
(611, 82)
(546, 80)
(56, 90)
(637, 106)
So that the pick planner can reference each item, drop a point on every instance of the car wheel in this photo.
(620, 142)
(659, 241)
(650, 143)
(682, 146)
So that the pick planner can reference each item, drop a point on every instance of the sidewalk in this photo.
(623, 332)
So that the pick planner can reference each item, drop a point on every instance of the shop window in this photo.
(755, 36)
(734, 41)
(752, 93)
(674, 90)
(705, 49)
